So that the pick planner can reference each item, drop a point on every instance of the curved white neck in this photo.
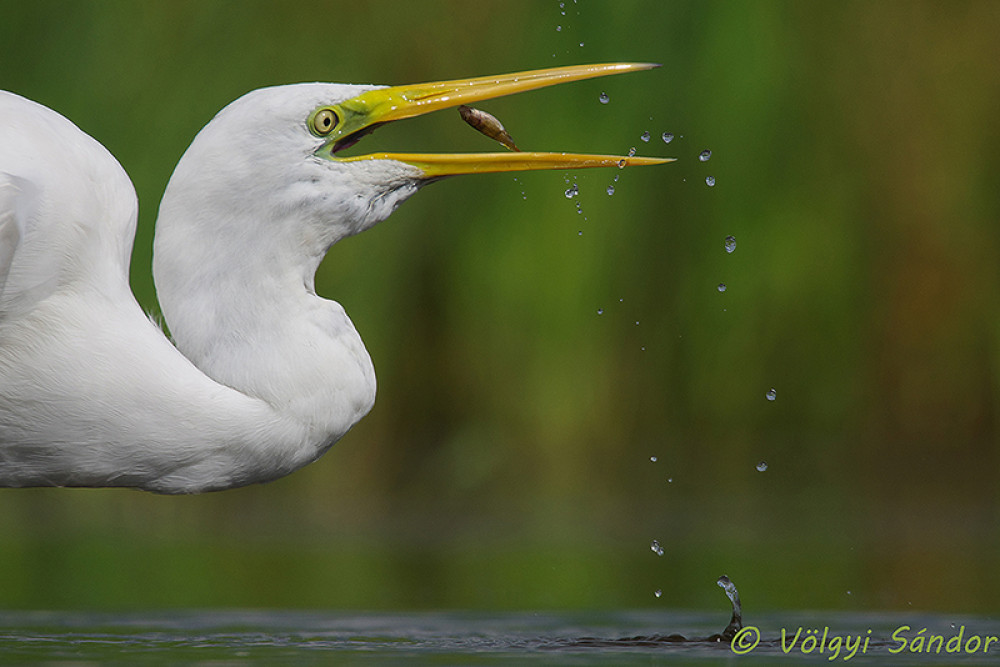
(256, 327)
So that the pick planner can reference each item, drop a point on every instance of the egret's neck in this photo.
(236, 249)
(236, 289)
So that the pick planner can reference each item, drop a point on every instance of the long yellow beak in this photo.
(359, 115)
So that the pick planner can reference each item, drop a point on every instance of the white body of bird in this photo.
(265, 375)
(93, 394)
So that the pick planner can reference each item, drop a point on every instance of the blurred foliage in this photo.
(535, 351)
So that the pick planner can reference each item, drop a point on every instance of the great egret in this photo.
(265, 375)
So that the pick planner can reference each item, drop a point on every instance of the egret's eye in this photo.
(324, 121)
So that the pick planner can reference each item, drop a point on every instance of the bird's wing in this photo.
(67, 208)
(10, 227)
(18, 198)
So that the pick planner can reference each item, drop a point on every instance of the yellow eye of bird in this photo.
(324, 121)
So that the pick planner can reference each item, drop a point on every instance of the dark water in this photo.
(285, 637)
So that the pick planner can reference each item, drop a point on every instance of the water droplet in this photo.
(722, 287)
(558, 28)
(656, 548)
(644, 136)
(611, 190)
(604, 98)
(653, 459)
(762, 466)
(670, 480)
(621, 163)
(631, 152)
(600, 311)
(523, 194)
(730, 243)
(658, 592)
(581, 45)
(572, 191)
(667, 137)
(710, 181)
(705, 155)
(771, 394)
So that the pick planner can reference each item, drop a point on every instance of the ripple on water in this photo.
(307, 638)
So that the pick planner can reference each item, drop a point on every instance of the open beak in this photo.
(355, 117)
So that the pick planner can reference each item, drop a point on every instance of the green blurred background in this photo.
(506, 464)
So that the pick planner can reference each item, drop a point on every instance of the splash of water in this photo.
(736, 622)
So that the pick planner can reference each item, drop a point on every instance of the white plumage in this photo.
(92, 392)
(265, 375)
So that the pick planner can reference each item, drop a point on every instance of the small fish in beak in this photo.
(488, 125)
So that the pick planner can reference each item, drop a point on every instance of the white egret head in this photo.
(275, 155)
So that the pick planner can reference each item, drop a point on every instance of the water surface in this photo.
(234, 637)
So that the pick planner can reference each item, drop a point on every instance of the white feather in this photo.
(91, 392)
